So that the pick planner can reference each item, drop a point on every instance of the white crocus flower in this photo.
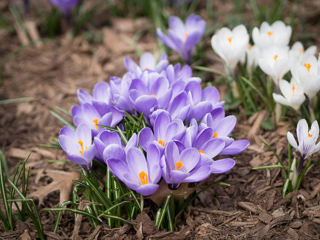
(306, 139)
(276, 34)
(274, 62)
(307, 74)
(298, 52)
(231, 45)
(293, 95)
(253, 56)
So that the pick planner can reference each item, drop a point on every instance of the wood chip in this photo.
(249, 206)
(265, 217)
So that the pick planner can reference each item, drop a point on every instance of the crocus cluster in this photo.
(270, 51)
(186, 127)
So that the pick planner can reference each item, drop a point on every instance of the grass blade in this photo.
(16, 100)
(205, 69)
(61, 119)
(274, 152)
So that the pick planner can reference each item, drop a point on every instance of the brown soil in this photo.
(251, 208)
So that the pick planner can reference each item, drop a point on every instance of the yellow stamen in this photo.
(154, 95)
(146, 68)
(310, 135)
(215, 135)
(186, 34)
(250, 47)
(293, 88)
(229, 39)
(275, 57)
(270, 33)
(200, 151)
(163, 143)
(179, 165)
(308, 66)
(81, 144)
(95, 121)
(143, 178)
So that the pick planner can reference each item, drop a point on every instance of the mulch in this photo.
(251, 208)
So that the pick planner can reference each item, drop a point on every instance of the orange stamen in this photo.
(229, 39)
(293, 88)
(301, 51)
(186, 34)
(154, 95)
(270, 33)
(163, 143)
(250, 47)
(200, 151)
(143, 178)
(179, 165)
(215, 135)
(310, 135)
(95, 121)
(275, 57)
(146, 68)
(81, 144)
(308, 66)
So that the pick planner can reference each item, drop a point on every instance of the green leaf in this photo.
(16, 100)
(257, 91)
(267, 125)
(56, 115)
(274, 152)
(267, 167)
(163, 211)
(77, 211)
(205, 69)
(63, 110)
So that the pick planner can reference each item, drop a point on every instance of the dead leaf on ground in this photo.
(62, 181)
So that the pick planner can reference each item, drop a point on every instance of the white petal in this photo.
(302, 130)
(291, 140)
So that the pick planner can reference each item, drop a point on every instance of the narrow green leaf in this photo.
(266, 167)
(63, 110)
(274, 152)
(5, 164)
(61, 119)
(106, 212)
(258, 92)
(163, 211)
(5, 197)
(122, 135)
(77, 211)
(205, 69)
(16, 100)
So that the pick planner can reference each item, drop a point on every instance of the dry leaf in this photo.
(62, 181)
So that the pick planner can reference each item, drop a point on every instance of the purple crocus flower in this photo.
(183, 37)
(147, 62)
(201, 101)
(64, 6)
(222, 127)
(165, 130)
(178, 167)
(209, 147)
(150, 93)
(120, 93)
(78, 145)
(109, 145)
(88, 115)
(138, 173)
